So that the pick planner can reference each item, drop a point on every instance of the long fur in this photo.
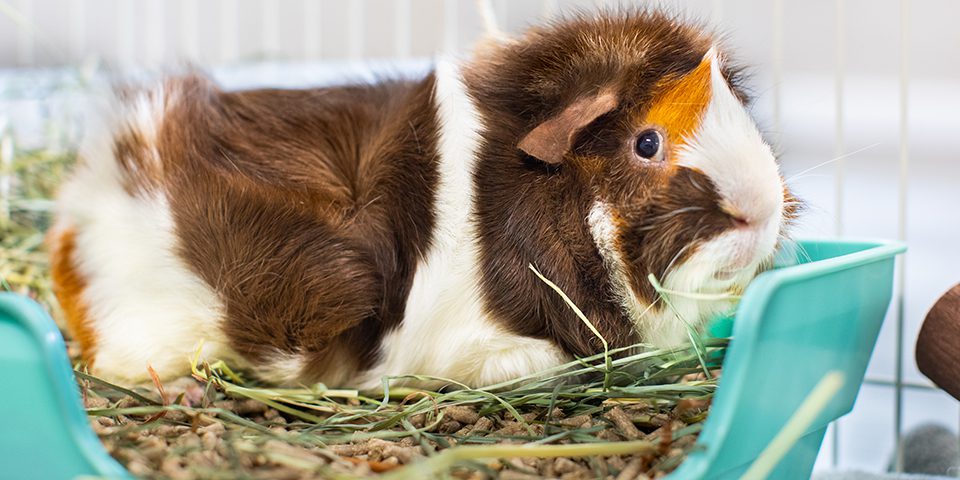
(347, 233)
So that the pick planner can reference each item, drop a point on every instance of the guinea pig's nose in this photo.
(752, 204)
(740, 220)
(743, 219)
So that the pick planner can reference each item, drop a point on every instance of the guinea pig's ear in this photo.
(553, 138)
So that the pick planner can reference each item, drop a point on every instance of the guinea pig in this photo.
(344, 234)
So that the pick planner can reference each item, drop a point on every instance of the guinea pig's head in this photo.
(647, 115)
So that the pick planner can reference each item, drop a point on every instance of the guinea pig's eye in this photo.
(649, 145)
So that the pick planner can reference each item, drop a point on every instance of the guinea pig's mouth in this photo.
(726, 263)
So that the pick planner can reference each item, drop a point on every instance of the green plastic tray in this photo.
(820, 311)
(44, 433)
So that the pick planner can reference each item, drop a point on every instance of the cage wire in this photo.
(458, 24)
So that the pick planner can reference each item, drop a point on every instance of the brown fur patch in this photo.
(135, 159)
(684, 214)
(68, 285)
(305, 210)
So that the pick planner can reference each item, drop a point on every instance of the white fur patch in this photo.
(144, 305)
(284, 368)
(605, 235)
(446, 331)
(728, 148)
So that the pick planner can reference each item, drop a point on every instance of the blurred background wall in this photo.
(159, 32)
(859, 96)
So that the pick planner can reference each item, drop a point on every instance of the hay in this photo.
(33, 176)
(565, 422)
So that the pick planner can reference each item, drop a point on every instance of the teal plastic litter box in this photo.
(819, 311)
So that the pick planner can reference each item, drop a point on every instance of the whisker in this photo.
(677, 257)
(682, 251)
(828, 162)
(815, 175)
(679, 211)
(801, 250)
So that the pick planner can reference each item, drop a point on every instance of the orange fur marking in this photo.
(680, 107)
(68, 287)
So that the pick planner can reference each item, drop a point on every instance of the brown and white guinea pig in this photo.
(341, 234)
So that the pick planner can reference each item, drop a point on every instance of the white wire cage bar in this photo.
(40, 33)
